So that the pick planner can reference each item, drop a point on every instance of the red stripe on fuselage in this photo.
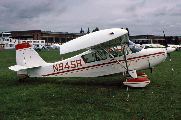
(102, 64)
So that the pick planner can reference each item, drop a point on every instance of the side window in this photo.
(116, 53)
(94, 56)
(100, 55)
(88, 58)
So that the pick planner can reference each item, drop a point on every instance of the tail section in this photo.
(26, 57)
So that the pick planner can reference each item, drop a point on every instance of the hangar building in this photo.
(49, 37)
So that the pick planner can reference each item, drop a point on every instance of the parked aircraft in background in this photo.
(168, 48)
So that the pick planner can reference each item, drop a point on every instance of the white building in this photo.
(34, 43)
(6, 42)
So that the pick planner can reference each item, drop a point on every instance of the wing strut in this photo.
(125, 58)
(131, 72)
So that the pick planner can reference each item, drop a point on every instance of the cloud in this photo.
(176, 10)
(20, 14)
(141, 16)
(135, 5)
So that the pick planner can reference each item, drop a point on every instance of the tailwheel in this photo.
(23, 79)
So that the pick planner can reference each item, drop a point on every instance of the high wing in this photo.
(107, 38)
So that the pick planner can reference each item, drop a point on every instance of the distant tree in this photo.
(81, 31)
(88, 31)
(169, 40)
(96, 29)
(176, 40)
(128, 31)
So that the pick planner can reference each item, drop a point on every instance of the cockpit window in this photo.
(94, 56)
(101, 55)
(118, 51)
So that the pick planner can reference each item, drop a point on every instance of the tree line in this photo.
(88, 31)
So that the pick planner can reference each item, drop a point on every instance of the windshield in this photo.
(134, 47)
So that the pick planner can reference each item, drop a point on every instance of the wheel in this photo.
(21, 80)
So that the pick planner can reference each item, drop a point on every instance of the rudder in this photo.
(27, 56)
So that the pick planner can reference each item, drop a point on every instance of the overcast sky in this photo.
(140, 16)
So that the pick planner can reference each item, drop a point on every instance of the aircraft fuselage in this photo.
(78, 67)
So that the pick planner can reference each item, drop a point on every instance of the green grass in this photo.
(89, 98)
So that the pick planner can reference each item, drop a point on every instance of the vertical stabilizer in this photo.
(27, 56)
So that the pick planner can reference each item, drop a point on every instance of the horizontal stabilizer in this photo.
(20, 67)
(27, 57)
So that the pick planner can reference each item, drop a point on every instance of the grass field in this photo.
(89, 98)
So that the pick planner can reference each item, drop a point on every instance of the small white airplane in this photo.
(168, 48)
(55, 46)
(176, 47)
(96, 61)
